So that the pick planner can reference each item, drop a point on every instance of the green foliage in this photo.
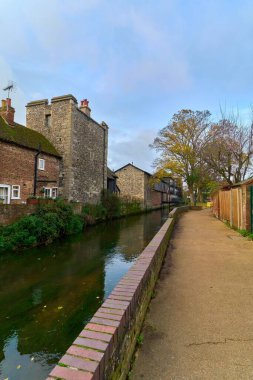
(130, 206)
(139, 339)
(54, 220)
(92, 212)
(111, 202)
(111, 206)
(48, 223)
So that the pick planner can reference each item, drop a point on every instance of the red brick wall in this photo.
(156, 198)
(11, 213)
(17, 168)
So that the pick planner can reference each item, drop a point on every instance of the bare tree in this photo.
(229, 149)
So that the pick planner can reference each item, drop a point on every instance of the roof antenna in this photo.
(9, 88)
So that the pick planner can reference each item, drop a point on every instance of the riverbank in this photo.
(58, 220)
(50, 292)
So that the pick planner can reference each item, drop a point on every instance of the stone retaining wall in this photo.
(103, 350)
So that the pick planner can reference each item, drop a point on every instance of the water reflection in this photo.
(48, 294)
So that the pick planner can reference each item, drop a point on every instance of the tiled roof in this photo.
(19, 135)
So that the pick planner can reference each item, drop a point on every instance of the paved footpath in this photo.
(200, 323)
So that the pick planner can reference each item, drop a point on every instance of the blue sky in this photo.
(137, 61)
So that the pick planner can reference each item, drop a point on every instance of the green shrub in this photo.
(48, 223)
(96, 211)
(111, 202)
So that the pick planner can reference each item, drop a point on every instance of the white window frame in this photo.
(12, 191)
(50, 192)
(41, 164)
(56, 189)
(8, 200)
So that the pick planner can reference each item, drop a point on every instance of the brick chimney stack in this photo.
(7, 111)
(85, 107)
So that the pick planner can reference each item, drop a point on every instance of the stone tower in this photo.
(81, 141)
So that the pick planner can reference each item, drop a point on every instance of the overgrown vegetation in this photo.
(111, 207)
(57, 219)
(243, 232)
(49, 222)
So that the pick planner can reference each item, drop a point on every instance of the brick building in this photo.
(20, 147)
(138, 183)
(80, 140)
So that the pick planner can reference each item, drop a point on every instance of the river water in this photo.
(49, 293)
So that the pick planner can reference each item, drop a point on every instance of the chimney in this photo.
(85, 107)
(7, 111)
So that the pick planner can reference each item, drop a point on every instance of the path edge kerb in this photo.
(104, 348)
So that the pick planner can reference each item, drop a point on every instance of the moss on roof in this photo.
(26, 137)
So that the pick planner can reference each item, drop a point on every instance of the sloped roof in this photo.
(19, 135)
(133, 167)
(111, 174)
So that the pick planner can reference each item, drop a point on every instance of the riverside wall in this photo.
(104, 348)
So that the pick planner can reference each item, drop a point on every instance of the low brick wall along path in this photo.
(200, 323)
(105, 347)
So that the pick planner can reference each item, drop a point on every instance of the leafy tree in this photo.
(181, 144)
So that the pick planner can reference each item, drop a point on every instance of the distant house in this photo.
(138, 183)
(174, 195)
(29, 162)
(112, 182)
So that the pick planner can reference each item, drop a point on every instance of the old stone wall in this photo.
(80, 140)
(131, 182)
(147, 191)
(17, 168)
(89, 162)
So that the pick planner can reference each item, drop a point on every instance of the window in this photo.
(50, 193)
(48, 121)
(41, 164)
(54, 192)
(47, 192)
(5, 194)
(15, 192)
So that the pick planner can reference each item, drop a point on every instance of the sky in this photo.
(137, 62)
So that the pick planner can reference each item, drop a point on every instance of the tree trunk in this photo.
(192, 198)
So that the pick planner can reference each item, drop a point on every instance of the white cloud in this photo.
(132, 147)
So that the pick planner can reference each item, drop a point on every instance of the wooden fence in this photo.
(228, 206)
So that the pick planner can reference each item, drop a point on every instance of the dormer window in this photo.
(41, 165)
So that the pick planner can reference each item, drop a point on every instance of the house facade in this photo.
(20, 149)
(80, 140)
(137, 183)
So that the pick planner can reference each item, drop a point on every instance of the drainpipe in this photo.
(35, 169)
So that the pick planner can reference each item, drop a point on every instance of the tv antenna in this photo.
(9, 88)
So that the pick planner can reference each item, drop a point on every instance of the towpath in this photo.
(200, 323)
